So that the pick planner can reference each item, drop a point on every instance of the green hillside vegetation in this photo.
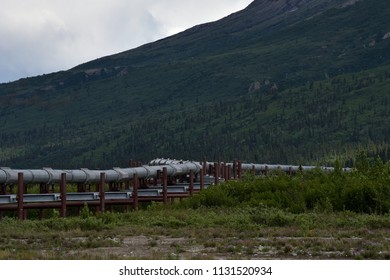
(268, 84)
(310, 124)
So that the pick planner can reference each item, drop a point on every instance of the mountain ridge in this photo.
(234, 80)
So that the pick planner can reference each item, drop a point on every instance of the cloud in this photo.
(44, 36)
(184, 14)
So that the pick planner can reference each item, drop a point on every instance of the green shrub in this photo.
(361, 199)
(214, 196)
(271, 217)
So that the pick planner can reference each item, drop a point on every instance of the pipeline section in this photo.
(9, 176)
(252, 166)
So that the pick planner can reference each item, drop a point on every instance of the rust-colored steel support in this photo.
(101, 191)
(135, 191)
(20, 196)
(239, 170)
(216, 173)
(235, 169)
(158, 178)
(154, 181)
(127, 187)
(165, 185)
(3, 189)
(202, 171)
(43, 188)
(253, 170)
(266, 170)
(63, 195)
(210, 171)
(80, 187)
(191, 182)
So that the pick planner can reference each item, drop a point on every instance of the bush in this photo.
(361, 199)
(271, 217)
(214, 196)
(365, 190)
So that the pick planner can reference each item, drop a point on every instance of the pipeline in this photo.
(174, 167)
(252, 166)
(9, 176)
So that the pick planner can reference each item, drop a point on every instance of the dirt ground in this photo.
(276, 247)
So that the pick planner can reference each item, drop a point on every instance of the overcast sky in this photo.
(43, 36)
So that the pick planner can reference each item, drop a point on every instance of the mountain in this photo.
(282, 81)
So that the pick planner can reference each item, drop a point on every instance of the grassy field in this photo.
(204, 233)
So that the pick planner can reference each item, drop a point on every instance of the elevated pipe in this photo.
(251, 166)
(116, 175)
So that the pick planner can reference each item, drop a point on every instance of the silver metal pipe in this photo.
(251, 166)
(84, 175)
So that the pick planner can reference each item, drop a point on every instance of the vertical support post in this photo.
(20, 196)
(235, 169)
(210, 171)
(228, 172)
(253, 170)
(135, 191)
(165, 185)
(216, 173)
(42, 188)
(191, 182)
(127, 187)
(158, 178)
(202, 174)
(266, 170)
(101, 191)
(155, 181)
(239, 171)
(3, 189)
(63, 194)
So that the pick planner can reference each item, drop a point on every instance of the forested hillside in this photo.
(281, 81)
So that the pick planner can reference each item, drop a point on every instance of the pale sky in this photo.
(43, 36)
